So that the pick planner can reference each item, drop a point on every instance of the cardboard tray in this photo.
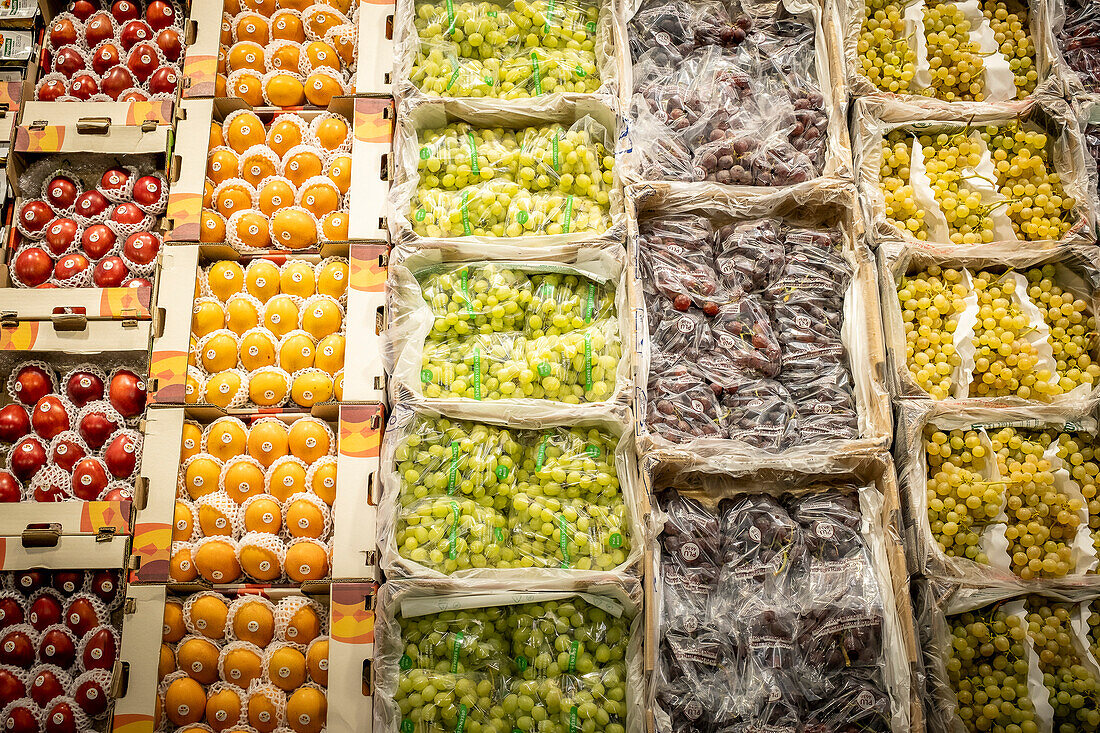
(359, 435)
(371, 121)
(79, 140)
(98, 342)
(876, 469)
(178, 269)
(351, 646)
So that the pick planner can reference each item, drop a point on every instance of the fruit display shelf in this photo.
(756, 331)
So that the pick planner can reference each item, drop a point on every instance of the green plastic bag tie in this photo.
(564, 541)
(454, 531)
(590, 303)
(464, 278)
(459, 636)
(573, 645)
(554, 152)
(535, 71)
(453, 479)
(465, 214)
(477, 373)
(540, 455)
(568, 213)
(587, 363)
(574, 726)
(454, 77)
(461, 724)
(473, 153)
(450, 17)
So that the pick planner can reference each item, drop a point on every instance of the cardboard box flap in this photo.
(187, 171)
(200, 60)
(93, 338)
(92, 135)
(88, 552)
(357, 480)
(67, 306)
(156, 498)
(374, 54)
(364, 373)
(371, 150)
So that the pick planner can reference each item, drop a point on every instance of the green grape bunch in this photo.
(954, 59)
(986, 660)
(1073, 690)
(897, 190)
(1008, 19)
(949, 162)
(1073, 336)
(1092, 630)
(456, 642)
(885, 55)
(451, 534)
(931, 302)
(961, 501)
(1005, 362)
(594, 702)
(440, 702)
(1081, 458)
(483, 299)
(570, 637)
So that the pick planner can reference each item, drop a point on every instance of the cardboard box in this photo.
(100, 342)
(11, 95)
(371, 121)
(364, 374)
(351, 646)
(42, 549)
(359, 434)
(76, 141)
(19, 14)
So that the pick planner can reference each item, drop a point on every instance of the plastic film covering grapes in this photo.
(1004, 173)
(1075, 25)
(512, 51)
(943, 54)
(732, 93)
(1009, 326)
(494, 658)
(1003, 495)
(481, 500)
(775, 604)
(756, 320)
(490, 332)
(488, 171)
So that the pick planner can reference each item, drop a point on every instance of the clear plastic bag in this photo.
(749, 254)
(682, 406)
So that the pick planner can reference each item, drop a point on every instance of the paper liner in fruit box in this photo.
(884, 126)
(567, 147)
(435, 358)
(1062, 348)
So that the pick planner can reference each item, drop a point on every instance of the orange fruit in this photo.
(263, 715)
(192, 347)
(306, 561)
(286, 56)
(267, 388)
(274, 195)
(220, 83)
(216, 561)
(334, 227)
(257, 350)
(219, 352)
(330, 353)
(216, 138)
(286, 479)
(221, 388)
(263, 515)
(284, 90)
(208, 616)
(167, 664)
(192, 441)
(254, 622)
(343, 40)
(319, 19)
(223, 60)
(338, 386)
(222, 165)
(286, 668)
(242, 314)
(308, 439)
(296, 278)
(344, 6)
(317, 661)
(208, 315)
(304, 519)
(339, 172)
(332, 280)
(232, 198)
(201, 476)
(302, 165)
(251, 228)
(174, 627)
(320, 88)
(296, 352)
(246, 55)
(262, 280)
(231, 7)
(223, 709)
(322, 317)
(323, 481)
(319, 199)
(281, 315)
(318, 54)
(183, 522)
(287, 27)
(267, 442)
(284, 134)
(256, 167)
(260, 562)
(242, 479)
(212, 227)
(225, 278)
(250, 27)
(242, 665)
(225, 438)
(198, 657)
(298, 5)
(311, 388)
(332, 131)
(184, 701)
(294, 229)
(263, 7)
(244, 131)
(307, 710)
(181, 568)
(304, 625)
(207, 194)
(249, 86)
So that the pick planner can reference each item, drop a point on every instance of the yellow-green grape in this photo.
(986, 660)
(460, 155)
(475, 30)
(539, 71)
(945, 158)
(486, 300)
(1093, 631)
(438, 71)
(1037, 204)
(448, 534)
(1004, 360)
(1008, 20)
(562, 303)
(931, 303)
(568, 637)
(954, 59)
(570, 161)
(961, 502)
(589, 702)
(1081, 458)
(1042, 521)
(885, 55)
(1073, 689)
(456, 642)
(1073, 337)
(897, 191)
(440, 702)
